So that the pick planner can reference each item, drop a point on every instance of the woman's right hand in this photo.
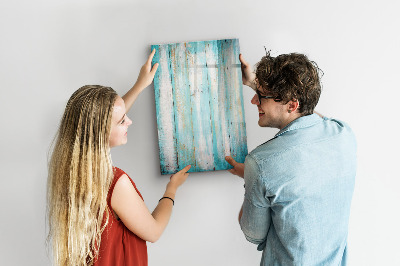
(146, 74)
(178, 179)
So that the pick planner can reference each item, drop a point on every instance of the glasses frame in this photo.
(276, 99)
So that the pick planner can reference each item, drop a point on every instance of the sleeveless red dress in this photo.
(119, 246)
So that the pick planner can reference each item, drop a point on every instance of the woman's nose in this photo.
(129, 122)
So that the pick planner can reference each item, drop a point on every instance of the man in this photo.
(299, 184)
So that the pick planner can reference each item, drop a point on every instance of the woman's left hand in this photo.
(146, 74)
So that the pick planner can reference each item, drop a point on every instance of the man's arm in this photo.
(254, 216)
(240, 213)
(248, 75)
(238, 169)
(318, 114)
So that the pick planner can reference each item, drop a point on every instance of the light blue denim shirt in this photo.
(298, 190)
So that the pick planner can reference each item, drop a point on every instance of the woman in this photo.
(96, 214)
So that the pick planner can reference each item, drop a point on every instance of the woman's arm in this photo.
(131, 209)
(146, 76)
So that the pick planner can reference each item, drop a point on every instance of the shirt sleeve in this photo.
(256, 217)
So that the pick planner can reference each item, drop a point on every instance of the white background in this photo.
(48, 49)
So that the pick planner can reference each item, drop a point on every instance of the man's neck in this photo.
(290, 119)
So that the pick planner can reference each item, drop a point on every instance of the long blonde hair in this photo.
(80, 174)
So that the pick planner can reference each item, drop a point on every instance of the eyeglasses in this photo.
(276, 99)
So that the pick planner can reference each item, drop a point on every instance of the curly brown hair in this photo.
(290, 77)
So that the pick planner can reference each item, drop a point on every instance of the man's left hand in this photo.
(238, 168)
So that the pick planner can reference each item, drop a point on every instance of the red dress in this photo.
(119, 246)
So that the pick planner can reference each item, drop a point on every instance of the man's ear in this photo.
(293, 105)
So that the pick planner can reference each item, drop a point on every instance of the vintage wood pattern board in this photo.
(199, 105)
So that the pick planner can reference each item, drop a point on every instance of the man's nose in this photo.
(254, 100)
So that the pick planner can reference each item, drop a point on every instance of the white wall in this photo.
(49, 49)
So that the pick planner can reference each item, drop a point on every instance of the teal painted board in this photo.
(199, 105)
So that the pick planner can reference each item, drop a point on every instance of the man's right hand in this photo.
(248, 76)
(238, 168)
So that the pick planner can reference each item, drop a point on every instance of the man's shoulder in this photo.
(336, 128)
(268, 150)
(294, 141)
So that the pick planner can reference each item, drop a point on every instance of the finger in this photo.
(230, 160)
(244, 63)
(151, 56)
(232, 171)
(184, 170)
(154, 69)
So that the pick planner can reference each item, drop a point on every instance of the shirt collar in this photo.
(301, 122)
